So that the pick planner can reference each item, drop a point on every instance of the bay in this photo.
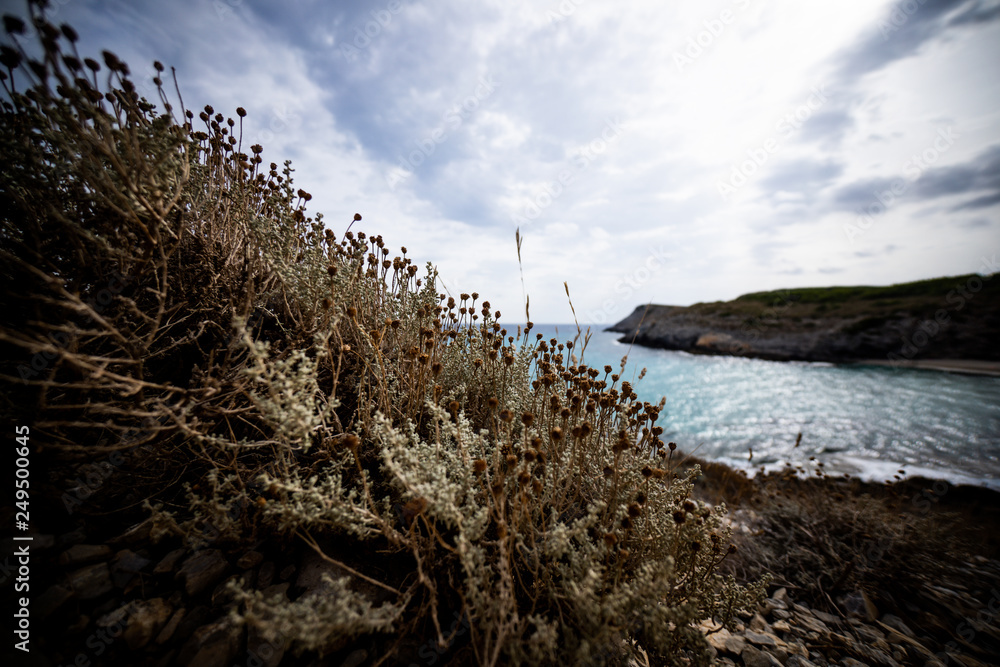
(867, 421)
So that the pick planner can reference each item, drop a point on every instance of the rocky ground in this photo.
(786, 633)
(102, 596)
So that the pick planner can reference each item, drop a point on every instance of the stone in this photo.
(761, 639)
(265, 577)
(191, 621)
(851, 662)
(753, 657)
(813, 624)
(92, 581)
(223, 594)
(169, 562)
(83, 554)
(134, 535)
(869, 634)
(250, 559)
(126, 565)
(75, 536)
(171, 627)
(798, 661)
(897, 624)
(770, 605)
(51, 601)
(267, 650)
(781, 614)
(829, 619)
(147, 619)
(310, 579)
(213, 645)
(718, 639)
(758, 624)
(859, 605)
(276, 591)
(781, 626)
(117, 618)
(201, 570)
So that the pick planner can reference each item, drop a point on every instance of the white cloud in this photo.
(653, 184)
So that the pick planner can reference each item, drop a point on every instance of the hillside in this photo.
(943, 318)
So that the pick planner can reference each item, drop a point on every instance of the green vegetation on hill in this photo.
(922, 292)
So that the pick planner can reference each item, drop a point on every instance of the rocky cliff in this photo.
(944, 318)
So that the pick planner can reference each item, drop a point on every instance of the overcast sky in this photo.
(649, 151)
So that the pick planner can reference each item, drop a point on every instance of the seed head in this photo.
(479, 466)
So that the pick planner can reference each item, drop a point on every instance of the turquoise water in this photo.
(868, 421)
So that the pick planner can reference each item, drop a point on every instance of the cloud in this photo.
(981, 174)
(377, 105)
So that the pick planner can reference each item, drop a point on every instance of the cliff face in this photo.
(944, 318)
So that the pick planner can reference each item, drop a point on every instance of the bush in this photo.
(173, 286)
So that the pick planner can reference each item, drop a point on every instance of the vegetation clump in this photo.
(290, 384)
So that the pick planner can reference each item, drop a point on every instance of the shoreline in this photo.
(959, 366)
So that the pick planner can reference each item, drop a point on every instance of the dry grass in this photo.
(264, 378)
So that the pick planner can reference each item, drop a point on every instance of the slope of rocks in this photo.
(937, 319)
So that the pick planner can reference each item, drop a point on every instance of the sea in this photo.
(870, 422)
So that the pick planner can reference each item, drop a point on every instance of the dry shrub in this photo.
(305, 386)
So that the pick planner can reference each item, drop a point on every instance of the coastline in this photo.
(959, 366)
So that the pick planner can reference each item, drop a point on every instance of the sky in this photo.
(648, 152)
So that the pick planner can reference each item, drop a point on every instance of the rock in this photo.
(851, 662)
(859, 605)
(191, 621)
(136, 534)
(73, 537)
(781, 626)
(92, 581)
(201, 570)
(147, 619)
(770, 605)
(276, 591)
(761, 639)
(780, 595)
(756, 658)
(268, 650)
(758, 624)
(82, 554)
(811, 623)
(781, 614)
(214, 645)
(51, 601)
(829, 619)
(798, 661)
(117, 618)
(286, 573)
(169, 562)
(310, 579)
(869, 634)
(266, 574)
(250, 559)
(42, 542)
(171, 627)
(724, 641)
(897, 624)
(355, 658)
(126, 565)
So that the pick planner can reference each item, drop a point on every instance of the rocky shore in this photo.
(901, 324)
